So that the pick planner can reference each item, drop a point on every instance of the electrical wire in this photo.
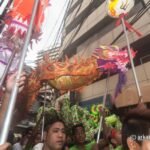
(58, 34)
(135, 19)
(79, 25)
(140, 14)
(56, 23)
(65, 16)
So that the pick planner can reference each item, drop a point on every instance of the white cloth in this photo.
(38, 146)
(17, 146)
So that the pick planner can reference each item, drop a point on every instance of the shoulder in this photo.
(91, 143)
(16, 145)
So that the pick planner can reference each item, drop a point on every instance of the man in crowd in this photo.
(136, 129)
(54, 136)
(79, 136)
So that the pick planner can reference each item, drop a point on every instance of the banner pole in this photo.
(12, 101)
(131, 60)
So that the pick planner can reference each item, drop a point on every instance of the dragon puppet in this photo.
(72, 75)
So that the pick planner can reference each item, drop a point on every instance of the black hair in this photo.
(103, 144)
(10, 138)
(136, 123)
(76, 126)
(50, 120)
(27, 131)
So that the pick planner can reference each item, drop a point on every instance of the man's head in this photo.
(136, 130)
(78, 132)
(55, 136)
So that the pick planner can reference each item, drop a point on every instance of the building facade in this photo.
(87, 26)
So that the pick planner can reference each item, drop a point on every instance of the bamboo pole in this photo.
(131, 60)
(104, 103)
(43, 113)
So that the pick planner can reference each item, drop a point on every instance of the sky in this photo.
(53, 19)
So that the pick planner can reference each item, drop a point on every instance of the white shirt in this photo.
(38, 146)
(17, 146)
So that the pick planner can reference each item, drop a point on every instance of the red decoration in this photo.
(129, 26)
(22, 11)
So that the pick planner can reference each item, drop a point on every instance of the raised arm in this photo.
(5, 146)
(10, 81)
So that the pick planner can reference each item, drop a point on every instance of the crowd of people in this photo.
(134, 135)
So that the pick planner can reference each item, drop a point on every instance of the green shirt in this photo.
(87, 146)
(117, 148)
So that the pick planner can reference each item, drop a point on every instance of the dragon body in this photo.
(72, 75)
